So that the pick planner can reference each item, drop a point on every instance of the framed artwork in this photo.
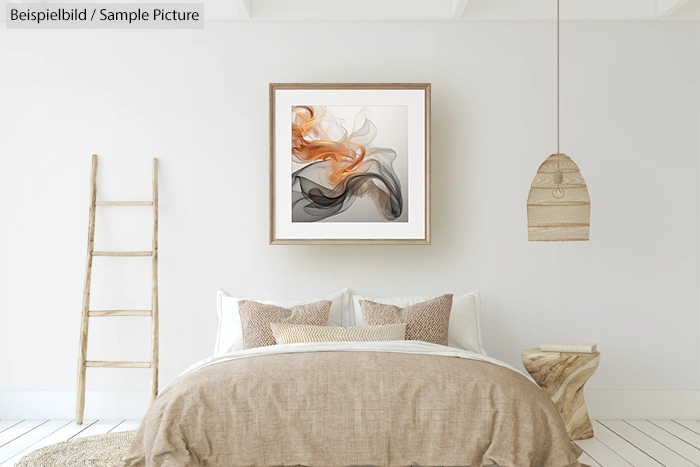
(349, 164)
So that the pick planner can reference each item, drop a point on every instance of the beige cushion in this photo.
(256, 318)
(465, 317)
(425, 321)
(286, 333)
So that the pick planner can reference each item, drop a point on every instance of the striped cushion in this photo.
(299, 333)
(426, 321)
(256, 318)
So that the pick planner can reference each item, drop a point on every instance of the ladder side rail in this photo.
(154, 288)
(82, 349)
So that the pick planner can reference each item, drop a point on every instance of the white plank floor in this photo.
(643, 443)
(617, 443)
(20, 437)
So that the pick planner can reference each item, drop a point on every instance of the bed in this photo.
(342, 404)
(336, 404)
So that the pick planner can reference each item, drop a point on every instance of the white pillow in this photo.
(229, 337)
(464, 331)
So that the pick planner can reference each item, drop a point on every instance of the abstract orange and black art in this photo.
(350, 163)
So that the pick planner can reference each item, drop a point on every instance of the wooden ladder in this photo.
(83, 362)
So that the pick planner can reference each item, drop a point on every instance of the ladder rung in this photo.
(97, 313)
(123, 203)
(95, 364)
(122, 253)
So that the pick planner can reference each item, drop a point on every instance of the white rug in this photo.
(91, 451)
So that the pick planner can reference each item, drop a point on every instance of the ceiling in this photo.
(438, 10)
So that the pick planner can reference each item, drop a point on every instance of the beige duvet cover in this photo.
(345, 408)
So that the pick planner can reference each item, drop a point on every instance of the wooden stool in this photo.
(562, 375)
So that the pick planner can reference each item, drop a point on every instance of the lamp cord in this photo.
(558, 91)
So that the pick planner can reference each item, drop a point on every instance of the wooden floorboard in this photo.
(98, 428)
(127, 425)
(601, 453)
(63, 434)
(680, 431)
(586, 459)
(647, 444)
(17, 445)
(617, 443)
(5, 424)
(693, 425)
(18, 430)
(668, 440)
(622, 447)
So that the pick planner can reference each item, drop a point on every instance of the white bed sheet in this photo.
(409, 347)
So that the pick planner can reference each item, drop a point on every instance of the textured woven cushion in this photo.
(465, 317)
(425, 321)
(256, 318)
(286, 333)
(229, 336)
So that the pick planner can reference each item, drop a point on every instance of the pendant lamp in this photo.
(558, 207)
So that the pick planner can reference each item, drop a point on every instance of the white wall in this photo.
(198, 100)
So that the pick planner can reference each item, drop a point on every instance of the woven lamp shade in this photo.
(565, 219)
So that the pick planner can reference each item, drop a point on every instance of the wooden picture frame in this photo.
(350, 163)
